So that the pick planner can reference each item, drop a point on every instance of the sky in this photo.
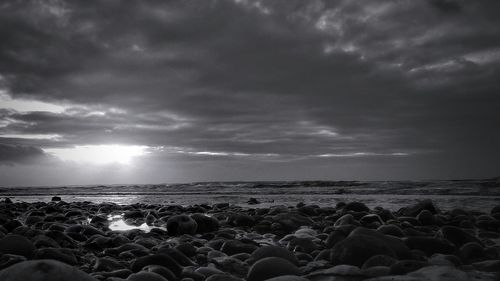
(110, 91)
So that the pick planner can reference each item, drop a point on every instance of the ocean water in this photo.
(481, 195)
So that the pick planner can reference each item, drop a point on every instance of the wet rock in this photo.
(430, 245)
(146, 276)
(55, 199)
(471, 252)
(161, 270)
(107, 264)
(425, 217)
(457, 236)
(223, 277)
(488, 265)
(177, 255)
(59, 254)
(391, 229)
(414, 210)
(253, 201)
(347, 219)
(356, 207)
(205, 223)
(405, 266)
(17, 245)
(379, 260)
(181, 224)
(272, 251)
(156, 259)
(37, 270)
(292, 221)
(271, 267)
(355, 250)
(7, 260)
(232, 247)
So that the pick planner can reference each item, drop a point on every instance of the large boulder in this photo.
(43, 270)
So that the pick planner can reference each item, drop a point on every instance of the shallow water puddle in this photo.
(117, 223)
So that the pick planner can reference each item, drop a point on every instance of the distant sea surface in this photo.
(479, 195)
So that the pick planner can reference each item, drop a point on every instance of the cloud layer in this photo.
(256, 89)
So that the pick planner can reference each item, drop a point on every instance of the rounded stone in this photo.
(356, 207)
(379, 260)
(272, 251)
(17, 245)
(205, 223)
(42, 270)
(181, 224)
(146, 276)
(405, 266)
(355, 250)
(271, 267)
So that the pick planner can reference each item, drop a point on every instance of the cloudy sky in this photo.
(177, 91)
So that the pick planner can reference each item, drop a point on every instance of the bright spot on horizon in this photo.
(99, 154)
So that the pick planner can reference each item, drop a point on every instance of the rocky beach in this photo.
(76, 241)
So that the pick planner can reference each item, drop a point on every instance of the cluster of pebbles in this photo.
(73, 241)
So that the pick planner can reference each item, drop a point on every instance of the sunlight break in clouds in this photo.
(99, 154)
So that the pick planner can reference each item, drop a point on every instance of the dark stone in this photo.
(146, 276)
(36, 270)
(177, 255)
(271, 267)
(334, 237)
(163, 271)
(59, 254)
(232, 247)
(405, 266)
(292, 221)
(253, 201)
(157, 259)
(205, 223)
(488, 265)
(181, 224)
(414, 210)
(272, 251)
(379, 260)
(391, 229)
(356, 249)
(356, 207)
(7, 260)
(430, 245)
(457, 236)
(56, 199)
(471, 252)
(425, 217)
(17, 245)
(133, 214)
(394, 243)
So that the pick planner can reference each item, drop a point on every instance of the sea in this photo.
(473, 194)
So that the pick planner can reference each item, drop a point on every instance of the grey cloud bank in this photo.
(250, 90)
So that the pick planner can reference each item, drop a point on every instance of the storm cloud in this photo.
(252, 90)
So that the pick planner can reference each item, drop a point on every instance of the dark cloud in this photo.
(256, 82)
(20, 154)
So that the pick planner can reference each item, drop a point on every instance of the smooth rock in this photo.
(272, 251)
(17, 245)
(181, 224)
(43, 270)
(146, 276)
(267, 268)
(355, 250)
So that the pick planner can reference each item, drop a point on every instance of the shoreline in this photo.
(224, 242)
